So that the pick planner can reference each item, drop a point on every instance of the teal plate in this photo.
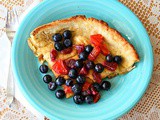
(126, 89)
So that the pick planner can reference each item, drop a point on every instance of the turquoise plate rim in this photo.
(17, 77)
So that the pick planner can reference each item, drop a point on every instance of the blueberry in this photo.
(90, 65)
(69, 82)
(109, 58)
(105, 85)
(96, 86)
(57, 37)
(60, 94)
(67, 43)
(99, 68)
(88, 48)
(117, 59)
(81, 79)
(43, 68)
(83, 55)
(89, 99)
(79, 63)
(60, 81)
(58, 46)
(52, 86)
(67, 34)
(47, 78)
(76, 88)
(73, 73)
(78, 99)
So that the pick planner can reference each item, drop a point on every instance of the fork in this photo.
(11, 27)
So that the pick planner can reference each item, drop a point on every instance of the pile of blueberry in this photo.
(57, 38)
(77, 69)
(79, 96)
(83, 56)
(52, 85)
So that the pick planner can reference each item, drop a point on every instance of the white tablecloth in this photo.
(5, 47)
(148, 108)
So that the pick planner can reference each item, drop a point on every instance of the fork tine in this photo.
(12, 20)
(8, 18)
(11, 17)
(15, 15)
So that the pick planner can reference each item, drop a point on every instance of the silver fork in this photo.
(11, 27)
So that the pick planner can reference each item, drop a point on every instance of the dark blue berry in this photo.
(73, 73)
(67, 43)
(69, 82)
(52, 86)
(47, 78)
(76, 88)
(83, 55)
(109, 58)
(43, 68)
(88, 48)
(60, 81)
(67, 34)
(57, 37)
(99, 68)
(81, 79)
(79, 63)
(105, 85)
(58, 46)
(78, 99)
(117, 59)
(60, 94)
(89, 99)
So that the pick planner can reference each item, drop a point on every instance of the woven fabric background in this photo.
(148, 11)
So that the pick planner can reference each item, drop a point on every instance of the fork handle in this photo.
(10, 86)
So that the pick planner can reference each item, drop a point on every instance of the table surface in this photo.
(148, 11)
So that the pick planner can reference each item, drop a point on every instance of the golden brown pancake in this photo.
(41, 42)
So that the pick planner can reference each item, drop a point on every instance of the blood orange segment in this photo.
(60, 68)
(104, 50)
(79, 48)
(86, 86)
(97, 77)
(96, 98)
(53, 55)
(112, 66)
(83, 71)
(67, 89)
(95, 52)
(96, 39)
(70, 63)
(66, 51)
(93, 91)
